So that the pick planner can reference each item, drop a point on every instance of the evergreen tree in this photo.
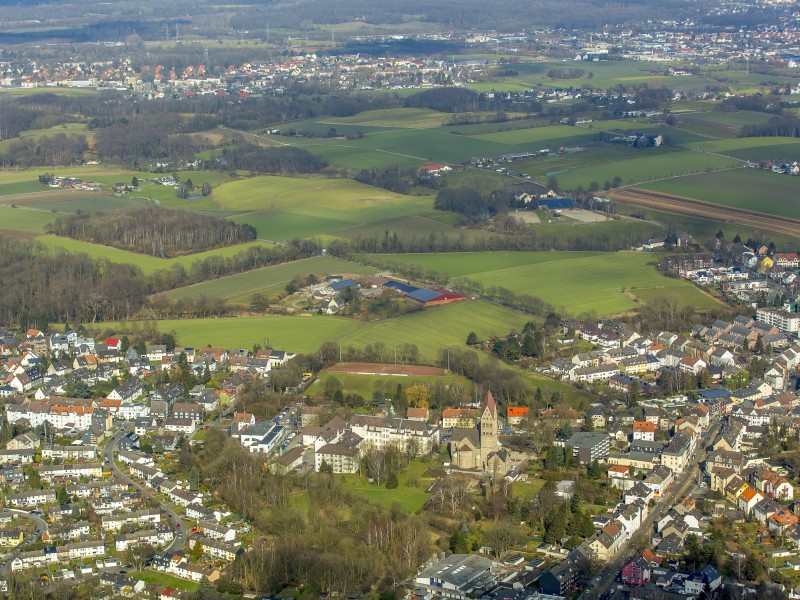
(458, 543)
(197, 552)
(194, 479)
(391, 481)
(472, 338)
(62, 497)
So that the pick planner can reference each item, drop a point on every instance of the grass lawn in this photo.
(750, 189)
(411, 499)
(165, 580)
(527, 489)
(270, 280)
(573, 282)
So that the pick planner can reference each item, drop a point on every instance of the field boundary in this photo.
(703, 209)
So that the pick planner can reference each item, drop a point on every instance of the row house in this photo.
(185, 497)
(593, 374)
(71, 452)
(153, 537)
(17, 457)
(215, 531)
(70, 471)
(134, 518)
(32, 498)
(219, 549)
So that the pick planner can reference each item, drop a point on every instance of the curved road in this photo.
(177, 526)
(641, 539)
(41, 528)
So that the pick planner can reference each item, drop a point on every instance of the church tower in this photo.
(487, 413)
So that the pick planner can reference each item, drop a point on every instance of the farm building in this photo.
(426, 296)
(556, 203)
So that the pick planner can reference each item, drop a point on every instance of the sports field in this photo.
(238, 288)
(573, 282)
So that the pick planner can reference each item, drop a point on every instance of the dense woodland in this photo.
(153, 230)
(59, 149)
(284, 160)
(41, 286)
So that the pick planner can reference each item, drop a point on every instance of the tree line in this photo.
(778, 126)
(153, 230)
(449, 99)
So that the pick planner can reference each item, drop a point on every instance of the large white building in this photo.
(783, 320)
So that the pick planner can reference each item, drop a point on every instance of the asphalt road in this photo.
(641, 539)
(41, 529)
(180, 531)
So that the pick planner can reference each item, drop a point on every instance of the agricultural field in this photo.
(573, 282)
(438, 327)
(750, 189)
(238, 288)
(551, 137)
(24, 220)
(297, 334)
(401, 118)
(146, 263)
(430, 330)
(282, 208)
(650, 165)
(754, 149)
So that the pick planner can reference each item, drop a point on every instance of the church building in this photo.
(479, 448)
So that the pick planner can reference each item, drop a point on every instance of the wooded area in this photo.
(153, 230)
(41, 286)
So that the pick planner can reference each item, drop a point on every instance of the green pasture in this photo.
(404, 118)
(270, 192)
(413, 227)
(284, 225)
(750, 189)
(573, 282)
(73, 201)
(365, 385)
(269, 280)
(542, 137)
(146, 263)
(412, 147)
(357, 154)
(296, 334)
(23, 219)
(438, 327)
(754, 149)
(651, 164)
(682, 295)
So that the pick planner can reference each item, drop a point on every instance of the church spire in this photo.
(488, 404)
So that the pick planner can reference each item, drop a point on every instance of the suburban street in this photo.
(641, 539)
(41, 528)
(180, 532)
